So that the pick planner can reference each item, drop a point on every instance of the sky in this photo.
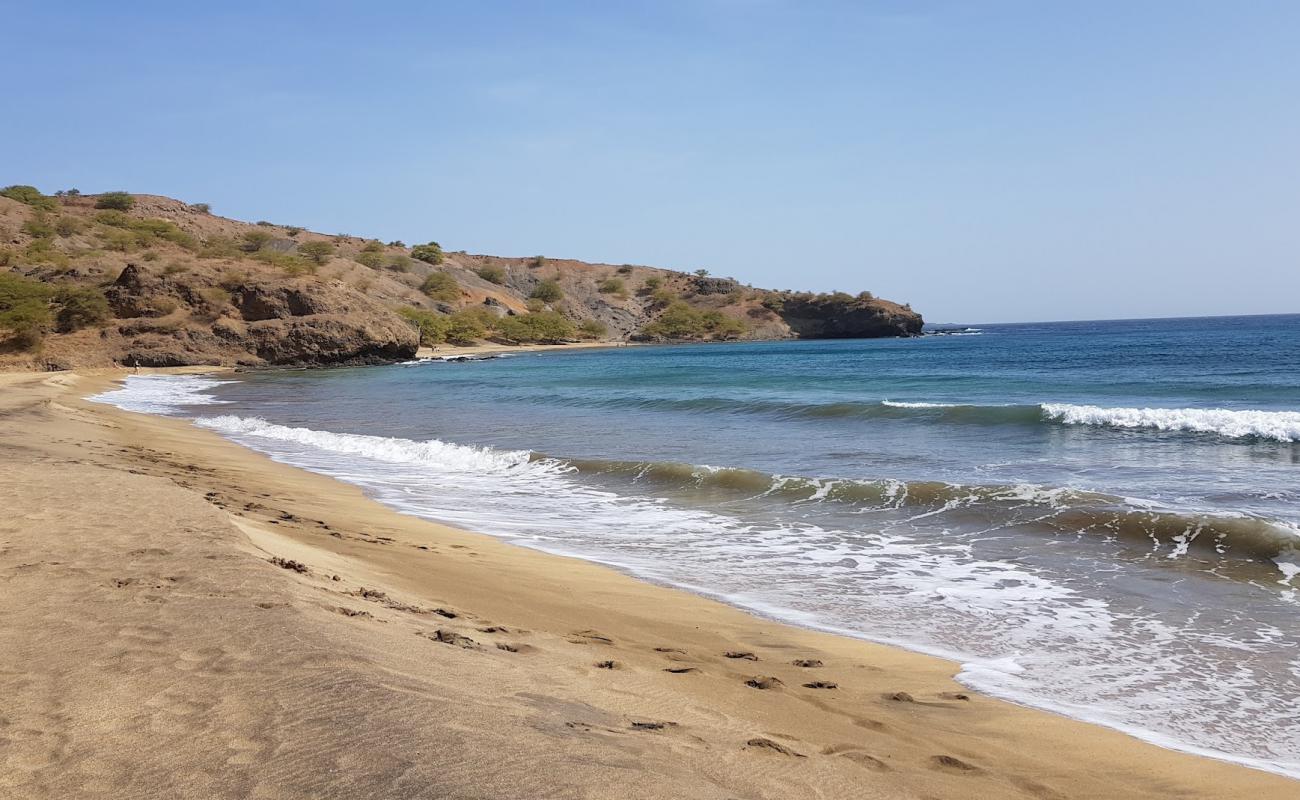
(983, 161)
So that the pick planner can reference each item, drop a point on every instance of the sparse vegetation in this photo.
(537, 262)
(548, 291)
(626, 269)
(370, 258)
(30, 195)
(654, 282)
(115, 201)
(429, 253)
(441, 286)
(400, 263)
(202, 208)
(701, 273)
(492, 274)
(292, 230)
(612, 286)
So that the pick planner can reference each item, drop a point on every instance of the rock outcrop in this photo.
(847, 317)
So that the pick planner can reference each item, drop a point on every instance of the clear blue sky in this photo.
(986, 161)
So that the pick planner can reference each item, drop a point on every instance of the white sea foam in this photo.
(161, 394)
(1282, 426)
(905, 404)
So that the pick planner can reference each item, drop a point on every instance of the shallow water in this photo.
(1096, 518)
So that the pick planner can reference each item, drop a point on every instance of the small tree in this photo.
(117, 201)
(441, 286)
(255, 241)
(548, 291)
(429, 253)
(202, 208)
(544, 326)
(318, 251)
(80, 307)
(703, 273)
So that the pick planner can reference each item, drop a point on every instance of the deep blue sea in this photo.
(1098, 518)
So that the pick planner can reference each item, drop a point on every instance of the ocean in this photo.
(1100, 519)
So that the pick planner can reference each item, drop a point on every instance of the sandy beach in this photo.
(186, 618)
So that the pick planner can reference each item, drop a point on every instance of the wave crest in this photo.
(1282, 426)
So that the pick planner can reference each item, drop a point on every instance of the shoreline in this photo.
(717, 736)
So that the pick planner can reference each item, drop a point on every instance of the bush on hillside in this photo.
(30, 195)
(681, 321)
(592, 329)
(318, 252)
(429, 253)
(202, 208)
(24, 310)
(544, 326)
(256, 240)
(400, 263)
(441, 286)
(369, 258)
(612, 286)
(548, 291)
(80, 307)
(116, 201)
(492, 274)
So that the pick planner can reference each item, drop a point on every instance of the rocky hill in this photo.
(97, 280)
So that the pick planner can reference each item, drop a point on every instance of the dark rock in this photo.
(847, 317)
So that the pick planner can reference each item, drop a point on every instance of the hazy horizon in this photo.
(1011, 162)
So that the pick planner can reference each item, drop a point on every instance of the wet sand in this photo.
(186, 618)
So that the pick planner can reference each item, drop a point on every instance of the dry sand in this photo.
(184, 618)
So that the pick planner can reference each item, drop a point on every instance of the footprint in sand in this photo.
(763, 682)
(762, 744)
(807, 663)
(821, 685)
(681, 670)
(951, 764)
(747, 656)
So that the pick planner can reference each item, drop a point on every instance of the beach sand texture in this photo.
(184, 618)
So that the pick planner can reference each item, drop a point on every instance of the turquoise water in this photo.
(1096, 518)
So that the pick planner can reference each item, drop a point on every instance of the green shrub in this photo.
(612, 286)
(866, 297)
(42, 251)
(370, 258)
(218, 247)
(80, 307)
(626, 269)
(68, 226)
(534, 305)
(653, 283)
(318, 251)
(681, 321)
(773, 302)
(292, 230)
(432, 326)
(544, 326)
(492, 274)
(400, 263)
(31, 196)
(703, 273)
(254, 241)
(441, 286)
(429, 253)
(548, 291)
(202, 208)
(39, 226)
(372, 246)
(537, 262)
(24, 310)
(397, 243)
(592, 328)
(117, 201)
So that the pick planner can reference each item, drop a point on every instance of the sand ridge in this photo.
(186, 618)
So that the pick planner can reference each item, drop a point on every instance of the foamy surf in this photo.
(1281, 426)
